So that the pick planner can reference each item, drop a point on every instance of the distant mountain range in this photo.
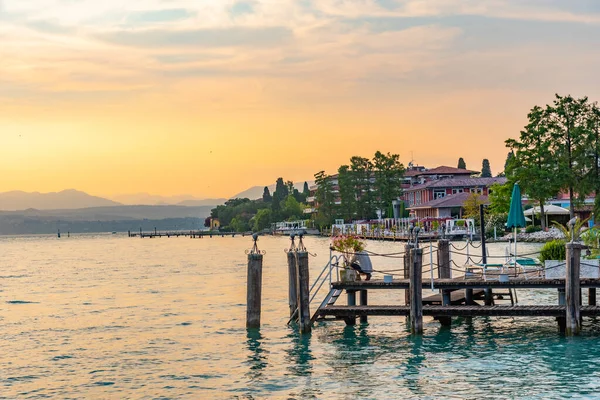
(67, 199)
(74, 199)
(156, 200)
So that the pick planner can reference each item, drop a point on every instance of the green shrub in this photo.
(532, 228)
(554, 250)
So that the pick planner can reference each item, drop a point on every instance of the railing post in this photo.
(254, 287)
(416, 292)
(303, 292)
(572, 289)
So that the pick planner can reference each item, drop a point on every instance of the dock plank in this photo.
(465, 283)
(458, 311)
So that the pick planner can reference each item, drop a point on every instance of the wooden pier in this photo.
(190, 234)
(472, 295)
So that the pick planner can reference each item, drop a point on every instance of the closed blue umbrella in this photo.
(516, 218)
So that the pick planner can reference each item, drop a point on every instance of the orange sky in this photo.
(210, 99)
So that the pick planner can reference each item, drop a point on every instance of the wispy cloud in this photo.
(225, 37)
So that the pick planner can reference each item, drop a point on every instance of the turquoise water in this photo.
(113, 317)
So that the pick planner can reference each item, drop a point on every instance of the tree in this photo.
(486, 172)
(238, 225)
(267, 195)
(388, 172)
(461, 164)
(471, 206)
(347, 190)
(361, 169)
(292, 209)
(280, 194)
(509, 158)
(325, 200)
(262, 220)
(499, 196)
(568, 123)
(534, 165)
(306, 189)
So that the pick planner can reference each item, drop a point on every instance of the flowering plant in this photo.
(347, 245)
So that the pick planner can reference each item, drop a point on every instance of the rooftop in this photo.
(457, 182)
(453, 200)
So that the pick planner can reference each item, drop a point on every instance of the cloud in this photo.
(168, 15)
(50, 27)
(218, 37)
(240, 8)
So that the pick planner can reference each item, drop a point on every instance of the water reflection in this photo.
(299, 355)
(257, 357)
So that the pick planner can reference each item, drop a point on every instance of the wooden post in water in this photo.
(444, 272)
(443, 259)
(407, 261)
(572, 289)
(351, 302)
(254, 287)
(416, 292)
(292, 277)
(141, 235)
(364, 301)
(592, 296)
(303, 291)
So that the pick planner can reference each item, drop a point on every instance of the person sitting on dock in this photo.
(362, 263)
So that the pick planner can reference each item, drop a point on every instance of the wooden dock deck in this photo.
(458, 311)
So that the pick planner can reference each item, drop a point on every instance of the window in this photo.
(455, 191)
(439, 193)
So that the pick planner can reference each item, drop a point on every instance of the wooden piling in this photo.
(407, 257)
(293, 281)
(303, 292)
(351, 302)
(592, 296)
(364, 301)
(416, 292)
(572, 290)
(443, 259)
(254, 289)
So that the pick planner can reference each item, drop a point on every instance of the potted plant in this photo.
(348, 245)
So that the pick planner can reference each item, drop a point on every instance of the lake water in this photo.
(111, 317)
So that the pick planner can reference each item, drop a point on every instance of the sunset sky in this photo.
(210, 97)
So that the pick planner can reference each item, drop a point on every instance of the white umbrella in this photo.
(550, 209)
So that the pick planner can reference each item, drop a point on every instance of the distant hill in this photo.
(114, 213)
(203, 202)
(103, 219)
(153, 200)
(256, 192)
(67, 199)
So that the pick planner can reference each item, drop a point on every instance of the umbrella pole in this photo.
(515, 255)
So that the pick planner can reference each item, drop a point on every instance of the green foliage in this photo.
(362, 169)
(461, 164)
(499, 196)
(471, 206)
(388, 172)
(495, 220)
(238, 225)
(574, 233)
(266, 195)
(291, 208)
(325, 200)
(509, 158)
(262, 220)
(486, 171)
(346, 183)
(554, 250)
(306, 190)
(532, 228)
(591, 238)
